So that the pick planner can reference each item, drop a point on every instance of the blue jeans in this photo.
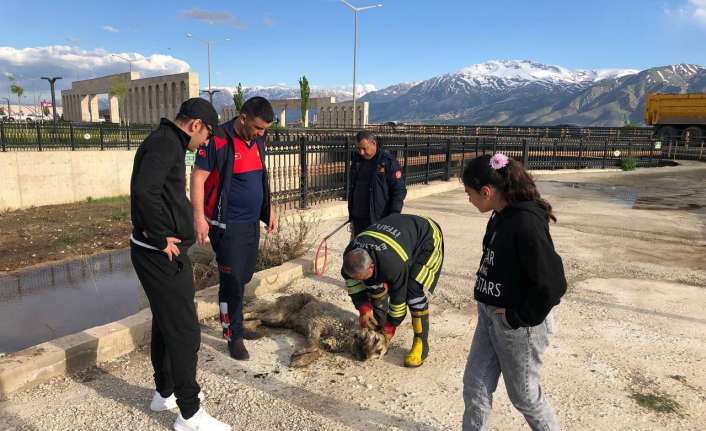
(517, 354)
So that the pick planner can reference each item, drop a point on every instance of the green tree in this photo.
(45, 111)
(2, 110)
(118, 88)
(304, 96)
(238, 98)
(18, 90)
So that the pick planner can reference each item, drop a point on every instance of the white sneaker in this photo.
(201, 421)
(160, 404)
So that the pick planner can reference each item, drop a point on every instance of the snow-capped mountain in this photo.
(525, 92)
(281, 91)
(509, 73)
(517, 92)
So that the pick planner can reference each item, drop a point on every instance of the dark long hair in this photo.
(512, 181)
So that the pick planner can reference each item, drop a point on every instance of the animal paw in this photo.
(304, 357)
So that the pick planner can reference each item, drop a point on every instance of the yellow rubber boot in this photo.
(420, 345)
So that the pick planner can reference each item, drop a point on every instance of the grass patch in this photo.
(660, 403)
(628, 163)
(120, 214)
(71, 237)
(112, 200)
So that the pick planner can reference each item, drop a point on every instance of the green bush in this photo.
(628, 163)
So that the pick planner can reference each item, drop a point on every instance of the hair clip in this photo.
(499, 161)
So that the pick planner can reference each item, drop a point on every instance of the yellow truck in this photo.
(676, 116)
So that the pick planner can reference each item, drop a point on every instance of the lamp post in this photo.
(52, 80)
(127, 95)
(355, 43)
(210, 94)
(208, 45)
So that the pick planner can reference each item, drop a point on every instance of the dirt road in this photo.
(629, 350)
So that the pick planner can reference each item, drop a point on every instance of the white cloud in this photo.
(224, 18)
(110, 29)
(692, 10)
(72, 63)
(699, 10)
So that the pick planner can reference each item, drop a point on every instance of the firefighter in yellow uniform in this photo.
(389, 267)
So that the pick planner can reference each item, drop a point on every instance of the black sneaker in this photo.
(237, 350)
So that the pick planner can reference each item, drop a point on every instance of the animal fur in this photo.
(324, 326)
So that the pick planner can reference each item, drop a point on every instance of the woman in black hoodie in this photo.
(520, 279)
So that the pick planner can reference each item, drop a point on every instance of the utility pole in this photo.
(355, 44)
(210, 94)
(52, 80)
(127, 95)
(208, 46)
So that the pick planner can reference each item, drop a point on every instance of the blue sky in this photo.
(406, 40)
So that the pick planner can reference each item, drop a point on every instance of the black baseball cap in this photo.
(197, 108)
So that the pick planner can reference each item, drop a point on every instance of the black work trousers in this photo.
(359, 224)
(176, 335)
(236, 250)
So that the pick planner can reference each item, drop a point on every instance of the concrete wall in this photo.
(57, 177)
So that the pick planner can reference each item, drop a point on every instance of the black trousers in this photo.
(359, 224)
(176, 335)
(236, 250)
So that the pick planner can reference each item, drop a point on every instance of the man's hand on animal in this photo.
(389, 331)
(367, 319)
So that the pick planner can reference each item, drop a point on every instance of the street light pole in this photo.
(52, 80)
(210, 94)
(355, 44)
(127, 96)
(208, 46)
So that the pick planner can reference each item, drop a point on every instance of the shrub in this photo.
(288, 242)
(628, 163)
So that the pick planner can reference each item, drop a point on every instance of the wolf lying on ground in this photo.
(324, 326)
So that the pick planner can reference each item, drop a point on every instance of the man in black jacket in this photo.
(377, 188)
(162, 233)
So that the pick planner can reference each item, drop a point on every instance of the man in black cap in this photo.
(162, 233)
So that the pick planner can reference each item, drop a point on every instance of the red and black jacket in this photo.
(217, 185)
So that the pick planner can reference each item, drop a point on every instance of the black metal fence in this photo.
(70, 136)
(308, 168)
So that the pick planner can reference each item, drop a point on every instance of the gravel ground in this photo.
(629, 339)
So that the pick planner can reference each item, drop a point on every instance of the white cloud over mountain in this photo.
(27, 65)
(692, 10)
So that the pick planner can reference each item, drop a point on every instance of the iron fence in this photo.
(70, 136)
(308, 166)
(307, 169)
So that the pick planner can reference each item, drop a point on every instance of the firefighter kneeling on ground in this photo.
(388, 267)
